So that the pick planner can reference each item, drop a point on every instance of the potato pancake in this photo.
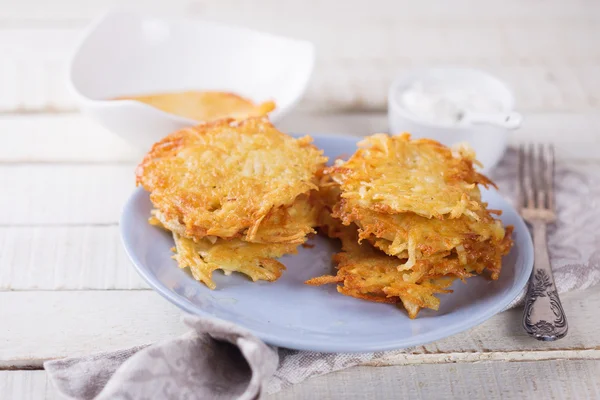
(394, 174)
(224, 178)
(285, 224)
(471, 257)
(366, 273)
(411, 236)
(255, 260)
(412, 253)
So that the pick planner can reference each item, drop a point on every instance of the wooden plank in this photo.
(47, 325)
(552, 379)
(64, 258)
(60, 138)
(548, 71)
(33, 69)
(27, 385)
(63, 194)
(60, 324)
(74, 138)
(29, 11)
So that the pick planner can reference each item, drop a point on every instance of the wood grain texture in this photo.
(33, 68)
(551, 379)
(69, 138)
(277, 13)
(73, 138)
(51, 324)
(27, 385)
(67, 194)
(60, 324)
(65, 258)
(543, 51)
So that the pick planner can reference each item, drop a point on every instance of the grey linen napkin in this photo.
(216, 360)
(220, 360)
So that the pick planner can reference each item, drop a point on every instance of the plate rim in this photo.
(346, 346)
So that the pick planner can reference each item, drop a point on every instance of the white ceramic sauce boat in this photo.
(124, 53)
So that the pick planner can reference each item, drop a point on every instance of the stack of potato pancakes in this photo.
(411, 221)
(235, 194)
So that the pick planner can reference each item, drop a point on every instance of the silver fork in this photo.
(543, 317)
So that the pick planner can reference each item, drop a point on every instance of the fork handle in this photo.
(543, 317)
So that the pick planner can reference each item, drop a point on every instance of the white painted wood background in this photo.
(66, 286)
(546, 49)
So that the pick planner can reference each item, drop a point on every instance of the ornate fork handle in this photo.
(544, 317)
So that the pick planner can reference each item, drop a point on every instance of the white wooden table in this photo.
(67, 288)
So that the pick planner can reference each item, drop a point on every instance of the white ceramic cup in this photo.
(488, 141)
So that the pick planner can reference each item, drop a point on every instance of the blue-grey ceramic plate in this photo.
(291, 314)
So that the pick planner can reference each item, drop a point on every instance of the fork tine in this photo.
(533, 173)
(542, 177)
(536, 176)
(525, 177)
(531, 184)
(550, 177)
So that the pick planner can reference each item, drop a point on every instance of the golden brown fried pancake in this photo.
(367, 273)
(205, 106)
(224, 178)
(285, 224)
(411, 236)
(471, 257)
(255, 260)
(394, 174)
(288, 224)
(424, 255)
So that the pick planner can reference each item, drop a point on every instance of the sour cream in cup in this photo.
(454, 105)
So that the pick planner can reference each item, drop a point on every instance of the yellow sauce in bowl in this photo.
(204, 106)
